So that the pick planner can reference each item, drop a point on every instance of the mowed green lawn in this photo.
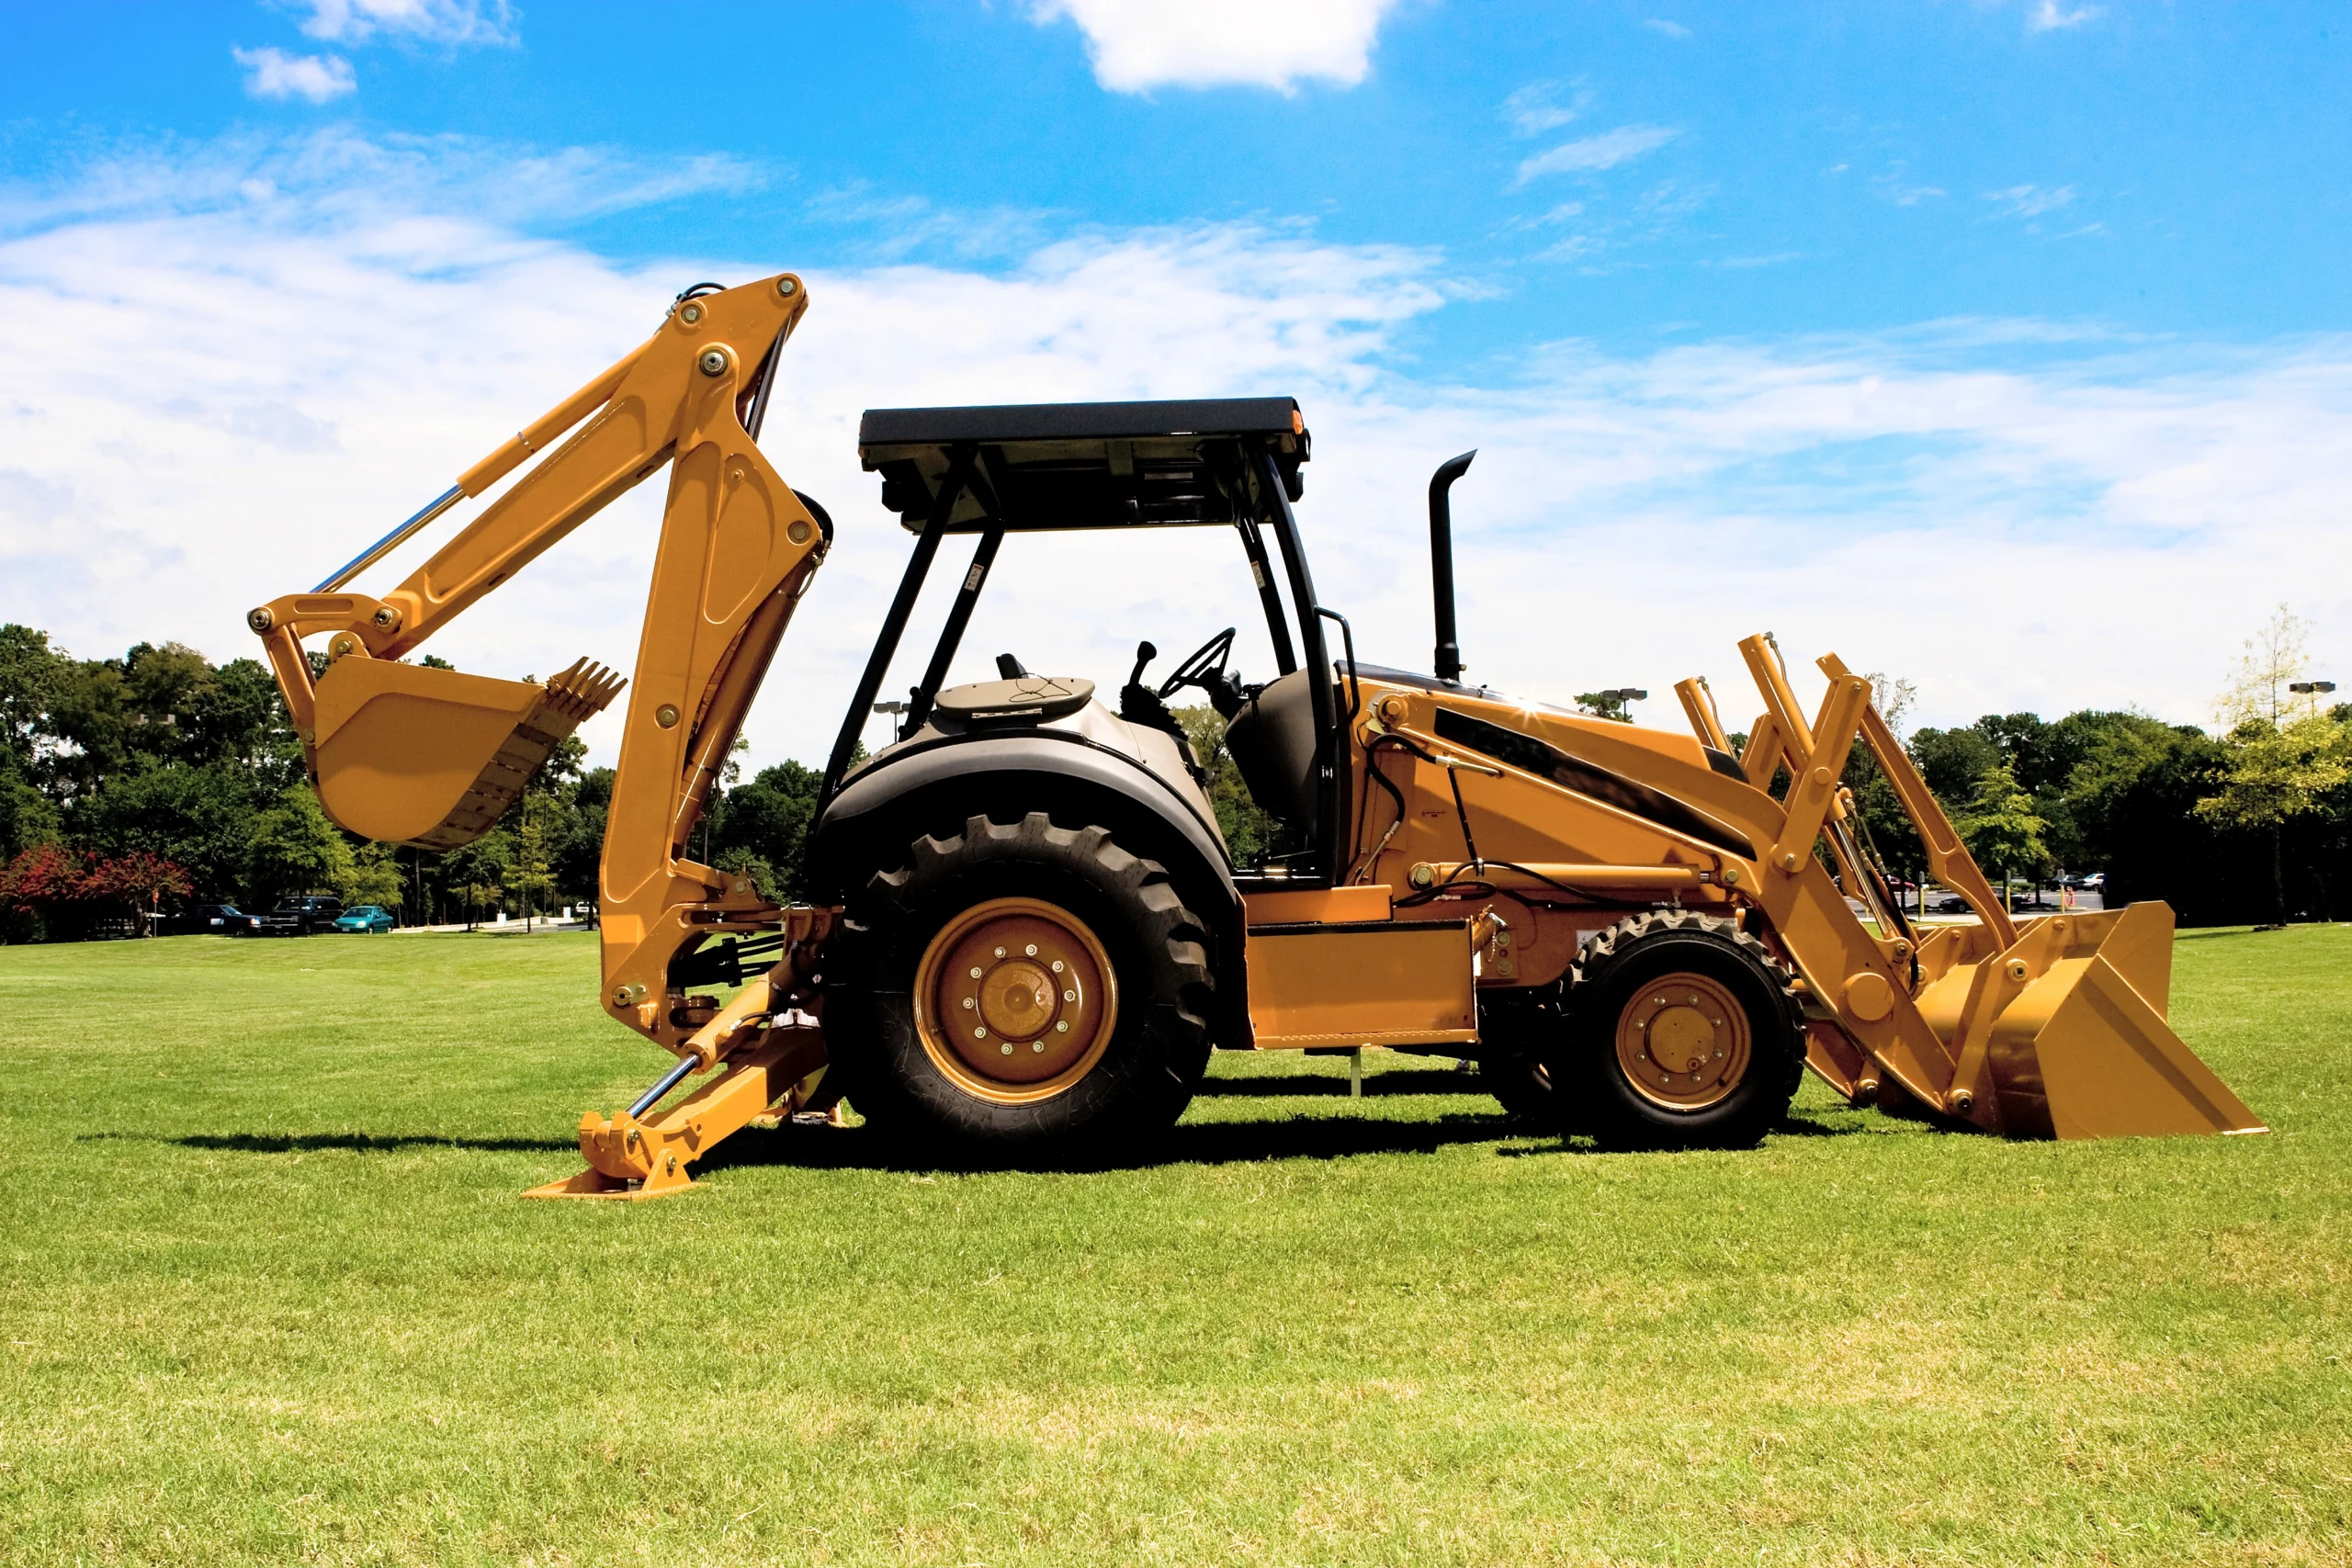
(271, 1296)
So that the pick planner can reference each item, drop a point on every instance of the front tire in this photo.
(1018, 986)
(1683, 1032)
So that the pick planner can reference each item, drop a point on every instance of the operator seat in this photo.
(1272, 740)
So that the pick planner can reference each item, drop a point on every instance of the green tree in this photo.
(2000, 828)
(202, 818)
(2273, 776)
(1252, 835)
(29, 673)
(579, 857)
(374, 878)
(26, 818)
(1604, 704)
(2284, 759)
(476, 873)
(763, 829)
(529, 870)
(1952, 762)
(296, 850)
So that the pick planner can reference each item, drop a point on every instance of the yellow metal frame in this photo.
(736, 551)
(2051, 1027)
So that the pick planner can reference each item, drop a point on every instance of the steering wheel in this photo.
(1204, 665)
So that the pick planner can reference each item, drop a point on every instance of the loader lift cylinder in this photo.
(1449, 648)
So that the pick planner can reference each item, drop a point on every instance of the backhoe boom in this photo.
(434, 758)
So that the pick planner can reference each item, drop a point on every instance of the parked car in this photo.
(366, 920)
(215, 920)
(302, 915)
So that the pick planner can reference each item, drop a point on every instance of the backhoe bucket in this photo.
(415, 755)
(2063, 1034)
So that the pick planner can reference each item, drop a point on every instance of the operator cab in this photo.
(1041, 468)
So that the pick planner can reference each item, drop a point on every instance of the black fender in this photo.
(932, 788)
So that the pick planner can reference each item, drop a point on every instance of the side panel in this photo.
(1320, 906)
(1398, 985)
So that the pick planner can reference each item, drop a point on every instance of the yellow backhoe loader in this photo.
(1027, 930)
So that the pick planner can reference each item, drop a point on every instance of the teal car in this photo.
(365, 919)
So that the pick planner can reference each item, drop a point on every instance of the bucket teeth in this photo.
(582, 691)
(569, 700)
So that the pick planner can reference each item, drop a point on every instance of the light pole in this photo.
(2311, 689)
(1620, 697)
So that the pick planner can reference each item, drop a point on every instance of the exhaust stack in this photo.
(1449, 650)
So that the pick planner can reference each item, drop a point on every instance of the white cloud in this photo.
(1671, 30)
(339, 178)
(2048, 15)
(1896, 185)
(1605, 150)
(1905, 498)
(1138, 45)
(274, 74)
(448, 22)
(1534, 108)
(2030, 201)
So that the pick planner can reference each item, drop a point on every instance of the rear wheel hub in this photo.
(1015, 1000)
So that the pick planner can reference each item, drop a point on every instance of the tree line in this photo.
(2248, 823)
(160, 780)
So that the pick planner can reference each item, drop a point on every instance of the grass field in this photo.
(270, 1296)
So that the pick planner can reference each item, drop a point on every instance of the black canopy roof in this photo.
(1050, 466)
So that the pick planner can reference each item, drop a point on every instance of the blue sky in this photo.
(2027, 317)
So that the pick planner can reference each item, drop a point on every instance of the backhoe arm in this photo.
(431, 757)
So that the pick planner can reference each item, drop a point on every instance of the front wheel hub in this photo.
(1015, 1000)
(1683, 1042)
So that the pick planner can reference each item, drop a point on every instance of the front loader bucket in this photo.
(415, 755)
(2064, 1034)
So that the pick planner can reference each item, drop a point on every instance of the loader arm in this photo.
(2046, 1028)
(432, 757)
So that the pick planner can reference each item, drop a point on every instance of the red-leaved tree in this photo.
(49, 880)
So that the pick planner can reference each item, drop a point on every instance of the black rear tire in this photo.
(1519, 1034)
(890, 1046)
(1656, 969)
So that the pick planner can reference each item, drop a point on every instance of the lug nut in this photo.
(713, 362)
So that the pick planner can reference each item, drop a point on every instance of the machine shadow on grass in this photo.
(1206, 1143)
(1198, 1142)
(364, 1143)
(1409, 1080)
